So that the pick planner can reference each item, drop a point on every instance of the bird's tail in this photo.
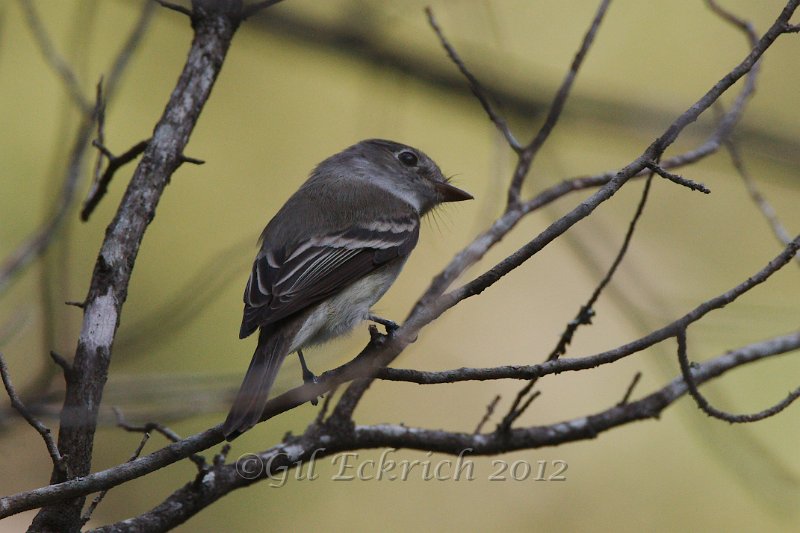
(252, 396)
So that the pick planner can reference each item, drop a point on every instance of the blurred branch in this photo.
(755, 195)
(37, 243)
(128, 48)
(56, 61)
(348, 38)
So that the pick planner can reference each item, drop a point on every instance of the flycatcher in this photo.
(333, 249)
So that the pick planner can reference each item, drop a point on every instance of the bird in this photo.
(329, 254)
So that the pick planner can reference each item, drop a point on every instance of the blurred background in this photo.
(305, 79)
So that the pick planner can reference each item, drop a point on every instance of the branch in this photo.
(585, 313)
(120, 474)
(100, 187)
(214, 26)
(194, 497)
(680, 180)
(702, 403)
(555, 108)
(44, 431)
(474, 85)
(36, 244)
(652, 153)
(755, 195)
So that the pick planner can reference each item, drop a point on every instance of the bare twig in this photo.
(755, 195)
(326, 403)
(175, 7)
(149, 427)
(530, 151)
(626, 398)
(65, 365)
(214, 26)
(474, 85)
(44, 431)
(680, 180)
(710, 410)
(584, 316)
(87, 515)
(488, 414)
(100, 187)
(533, 437)
(433, 303)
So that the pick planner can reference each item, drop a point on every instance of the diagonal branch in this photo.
(44, 431)
(214, 26)
(530, 151)
(474, 85)
(51, 55)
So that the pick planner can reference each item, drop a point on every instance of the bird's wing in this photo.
(284, 282)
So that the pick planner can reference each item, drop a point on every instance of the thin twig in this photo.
(149, 427)
(487, 415)
(680, 180)
(326, 403)
(100, 187)
(474, 85)
(175, 7)
(180, 506)
(128, 48)
(65, 365)
(702, 402)
(399, 436)
(557, 105)
(755, 195)
(37, 243)
(44, 431)
(99, 498)
(635, 381)
(585, 313)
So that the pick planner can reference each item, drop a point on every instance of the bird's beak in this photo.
(450, 193)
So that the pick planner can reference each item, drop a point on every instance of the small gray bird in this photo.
(333, 249)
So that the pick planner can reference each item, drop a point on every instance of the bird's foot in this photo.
(308, 375)
(390, 325)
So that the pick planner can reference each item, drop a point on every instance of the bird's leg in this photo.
(308, 375)
(390, 325)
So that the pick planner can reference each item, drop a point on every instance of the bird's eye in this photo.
(409, 159)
